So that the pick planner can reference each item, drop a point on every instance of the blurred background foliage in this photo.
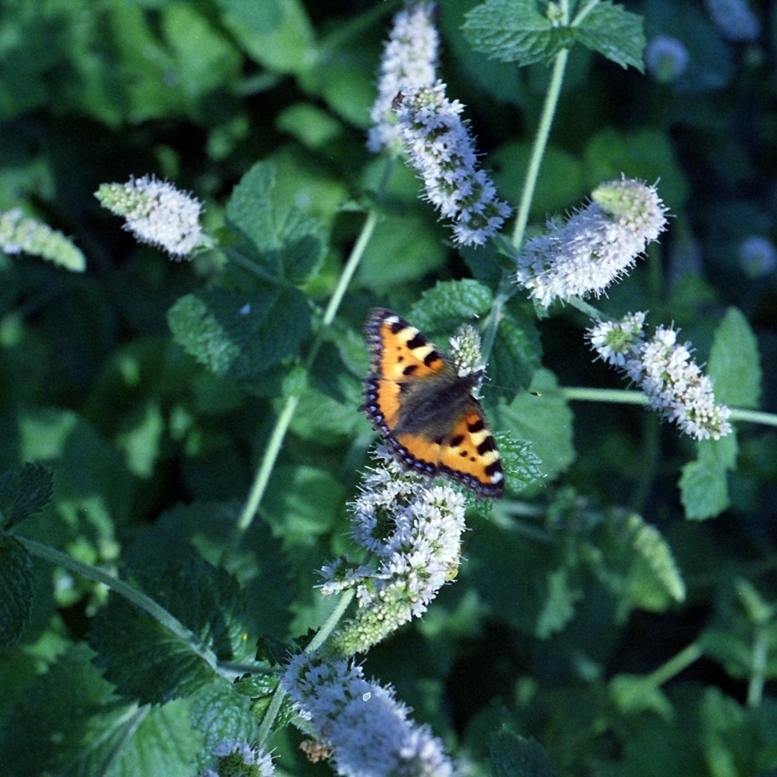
(557, 619)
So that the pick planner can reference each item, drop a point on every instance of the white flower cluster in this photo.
(235, 758)
(156, 213)
(409, 62)
(734, 19)
(757, 256)
(596, 246)
(441, 149)
(665, 371)
(412, 528)
(369, 732)
(19, 233)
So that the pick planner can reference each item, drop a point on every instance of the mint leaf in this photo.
(545, 420)
(615, 33)
(514, 31)
(514, 756)
(16, 589)
(24, 492)
(92, 732)
(449, 304)
(735, 365)
(285, 243)
(521, 464)
(703, 489)
(219, 712)
(516, 354)
(240, 335)
(140, 656)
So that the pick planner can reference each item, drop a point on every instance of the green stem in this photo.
(585, 307)
(538, 149)
(131, 594)
(754, 416)
(618, 396)
(756, 685)
(284, 419)
(280, 692)
(625, 397)
(675, 665)
(504, 292)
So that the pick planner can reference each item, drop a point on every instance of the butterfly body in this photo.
(425, 410)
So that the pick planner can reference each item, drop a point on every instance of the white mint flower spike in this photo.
(19, 233)
(665, 371)
(156, 213)
(596, 246)
(368, 731)
(413, 529)
(409, 62)
(442, 151)
(235, 757)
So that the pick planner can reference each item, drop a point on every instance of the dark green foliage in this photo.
(613, 615)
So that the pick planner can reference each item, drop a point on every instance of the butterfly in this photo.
(425, 410)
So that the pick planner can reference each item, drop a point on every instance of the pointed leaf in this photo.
(615, 33)
(703, 490)
(142, 658)
(16, 589)
(514, 756)
(514, 31)
(240, 335)
(284, 242)
(516, 354)
(735, 364)
(24, 492)
(92, 732)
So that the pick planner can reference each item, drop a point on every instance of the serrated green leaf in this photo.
(703, 490)
(719, 453)
(219, 712)
(240, 335)
(559, 606)
(514, 31)
(285, 243)
(140, 656)
(24, 492)
(16, 589)
(448, 304)
(735, 364)
(92, 732)
(545, 420)
(615, 33)
(514, 756)
(521, 464)
(516, 353)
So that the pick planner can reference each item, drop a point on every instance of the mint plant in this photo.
(207, 565)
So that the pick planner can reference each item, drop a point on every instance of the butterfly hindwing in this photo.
(470, 456)
(424, 409)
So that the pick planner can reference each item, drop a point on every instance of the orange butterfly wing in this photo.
(424, 410)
